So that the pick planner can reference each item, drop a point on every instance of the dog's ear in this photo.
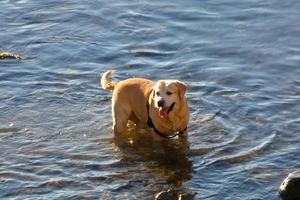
(151, 96)
(153, 93)
(182, 88)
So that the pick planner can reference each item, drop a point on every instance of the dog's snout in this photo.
(161, 103)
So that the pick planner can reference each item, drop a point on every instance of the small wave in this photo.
(246, 154)
(9, 130)
(56, 184)
(16, 175)
(151, 53)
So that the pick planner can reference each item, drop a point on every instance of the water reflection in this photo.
(166, 158)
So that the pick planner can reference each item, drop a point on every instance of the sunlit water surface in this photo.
(239, 58)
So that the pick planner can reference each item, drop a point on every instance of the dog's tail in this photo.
(106, 83)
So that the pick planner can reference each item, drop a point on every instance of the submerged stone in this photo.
(290, 187)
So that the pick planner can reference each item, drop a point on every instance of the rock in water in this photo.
(290, 187)
(166, 195)
(9, 55)
(175, 194)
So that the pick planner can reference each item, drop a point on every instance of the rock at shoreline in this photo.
(290, 187)
(9, 55)
(174, 194)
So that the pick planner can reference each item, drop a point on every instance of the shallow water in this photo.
(239, 58)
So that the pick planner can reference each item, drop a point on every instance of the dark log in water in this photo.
(9, 55)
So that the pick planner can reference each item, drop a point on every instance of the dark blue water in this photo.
(239, 58)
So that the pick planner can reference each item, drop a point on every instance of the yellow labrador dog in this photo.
(161, 105)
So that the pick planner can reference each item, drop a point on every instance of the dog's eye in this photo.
(169, 93)
(157, 93)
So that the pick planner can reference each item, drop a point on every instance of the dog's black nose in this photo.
(160, 103)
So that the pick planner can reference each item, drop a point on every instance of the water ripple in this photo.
(244, 155)
(239, 59)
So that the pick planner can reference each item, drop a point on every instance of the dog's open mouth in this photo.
(164, 111)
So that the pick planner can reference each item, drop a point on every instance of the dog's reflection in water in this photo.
(165, 157)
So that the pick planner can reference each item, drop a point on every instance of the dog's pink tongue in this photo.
(163, 112)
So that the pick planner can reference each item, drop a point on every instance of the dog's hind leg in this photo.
(120, 114)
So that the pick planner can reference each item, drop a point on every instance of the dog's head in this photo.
(166, 94)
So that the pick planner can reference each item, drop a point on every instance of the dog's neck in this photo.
(173, 122)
